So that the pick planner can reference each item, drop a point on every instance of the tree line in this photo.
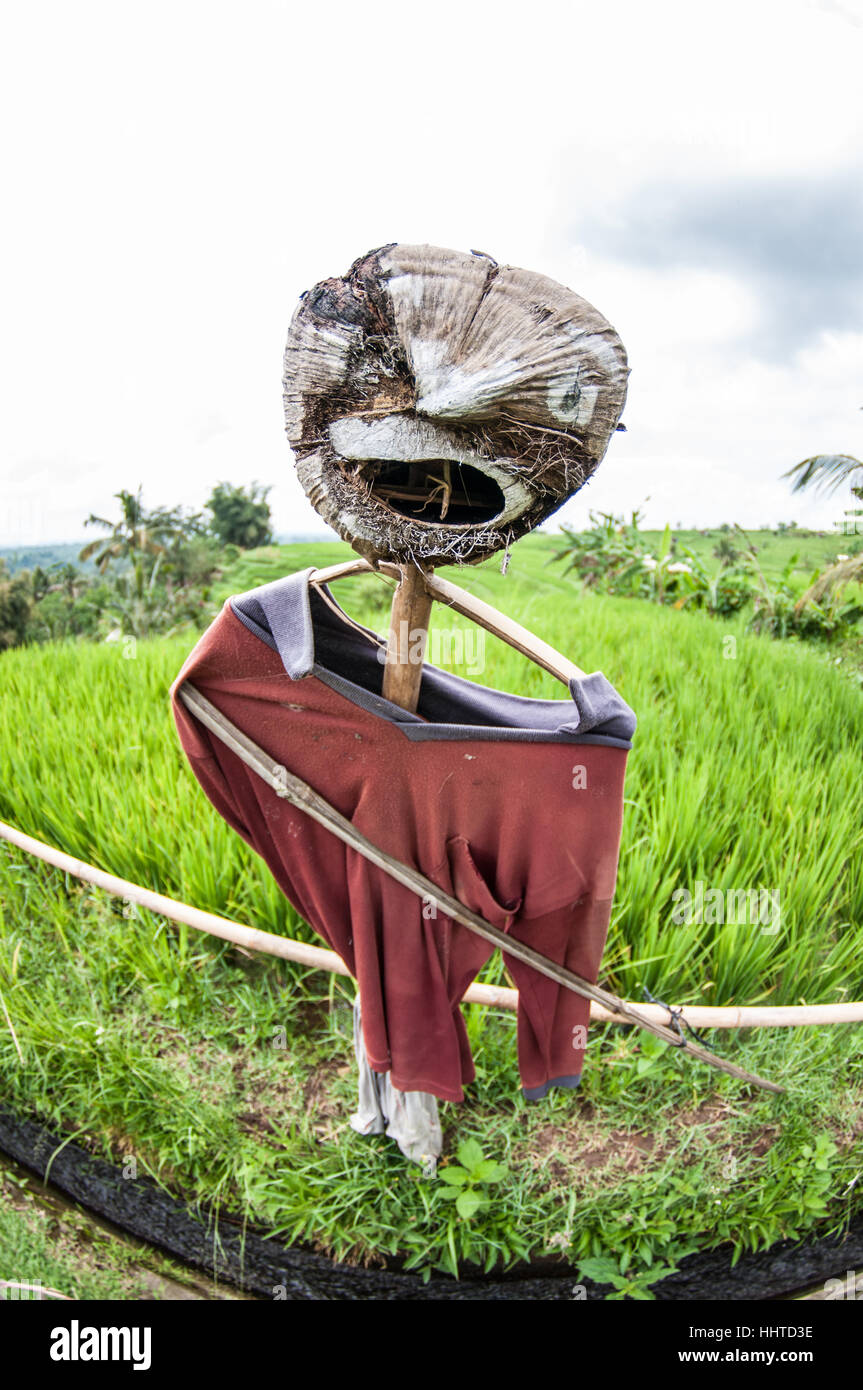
(154, 570)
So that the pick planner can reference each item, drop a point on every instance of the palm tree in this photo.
(726, 551)
(130, 536)
(140, 533)
(830, 471)
(827, 471)
(66, 580)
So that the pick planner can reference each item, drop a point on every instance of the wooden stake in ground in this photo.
(409, 619)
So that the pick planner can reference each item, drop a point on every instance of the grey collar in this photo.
(312, 639)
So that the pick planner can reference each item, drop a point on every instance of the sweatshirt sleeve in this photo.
(200, 749)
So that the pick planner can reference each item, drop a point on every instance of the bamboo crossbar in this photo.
(493, 996)
(476, 609)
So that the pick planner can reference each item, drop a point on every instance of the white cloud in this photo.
(177, 176)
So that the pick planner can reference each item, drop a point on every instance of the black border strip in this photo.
(263, 1266)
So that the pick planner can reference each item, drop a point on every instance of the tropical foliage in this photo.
(827, 471)
(154, 572)
(831, 471)
(613, 556)
(241, 516)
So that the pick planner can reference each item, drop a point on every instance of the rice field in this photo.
(745, 774)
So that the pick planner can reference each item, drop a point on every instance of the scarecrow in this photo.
(439, 406)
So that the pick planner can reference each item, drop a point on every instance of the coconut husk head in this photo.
(440, 405)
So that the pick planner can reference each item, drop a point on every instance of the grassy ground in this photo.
(157, 1042)
(47, 1241)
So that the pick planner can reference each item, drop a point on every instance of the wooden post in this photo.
(409, 619)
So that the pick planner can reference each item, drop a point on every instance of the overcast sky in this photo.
(174, 175)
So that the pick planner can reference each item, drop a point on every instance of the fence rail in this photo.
(317, 958)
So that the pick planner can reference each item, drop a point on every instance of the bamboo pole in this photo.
(492, 996)
(248, 937)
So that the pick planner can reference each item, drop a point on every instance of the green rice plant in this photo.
(740, 777)
(744, 773)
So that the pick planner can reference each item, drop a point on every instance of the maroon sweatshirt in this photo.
(513, 805)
